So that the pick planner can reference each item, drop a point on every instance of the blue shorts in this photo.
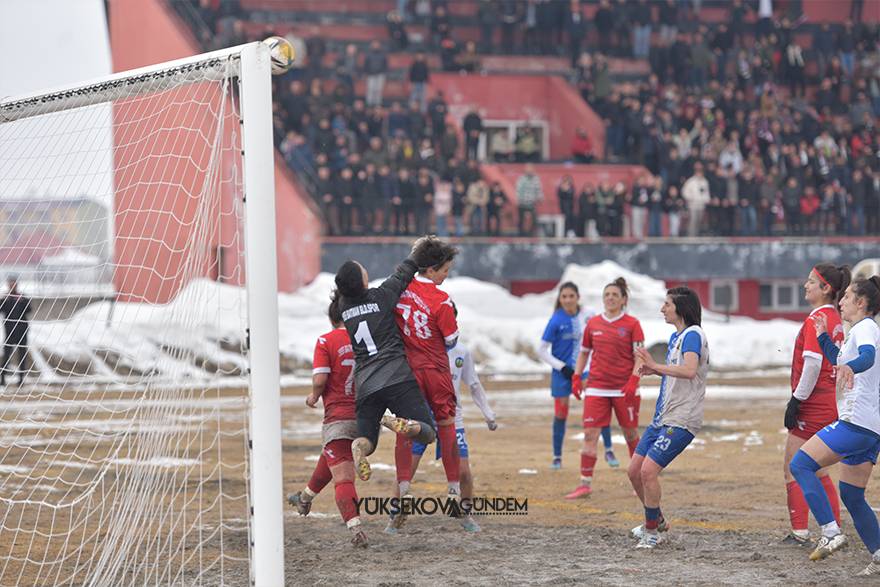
(855, 444)
(560, 386)
(663, 443)
(419, 448)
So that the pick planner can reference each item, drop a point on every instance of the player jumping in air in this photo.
(332, 381)
(854, 439)
(813, 404)
(609, 343)
(559, 348)
(678, 414)
(426, 320)
(382, 376)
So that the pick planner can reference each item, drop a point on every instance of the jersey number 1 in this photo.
(363, 336)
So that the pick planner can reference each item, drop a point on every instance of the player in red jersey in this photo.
(609, 342)
(813, 403)
(333, 380)
(426, 318)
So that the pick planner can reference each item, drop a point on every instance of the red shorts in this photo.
(338, 451)
(436, 386)
(597, 411)
(818, 411)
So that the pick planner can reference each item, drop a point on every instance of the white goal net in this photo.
(124, 451)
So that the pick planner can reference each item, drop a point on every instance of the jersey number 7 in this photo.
(419, 321)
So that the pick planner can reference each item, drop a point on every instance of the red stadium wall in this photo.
(151, 248)
(526, 98)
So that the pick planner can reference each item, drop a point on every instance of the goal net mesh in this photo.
(123, 453)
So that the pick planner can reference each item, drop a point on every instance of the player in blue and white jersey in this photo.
(461, 364)
(678, 415)
(854, 439)
(559, 348)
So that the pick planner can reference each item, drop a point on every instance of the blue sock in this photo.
(652, 518)
(804, 468)
(606, 437)
(558, 436)
(863, 517)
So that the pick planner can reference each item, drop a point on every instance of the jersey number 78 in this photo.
(419, 321)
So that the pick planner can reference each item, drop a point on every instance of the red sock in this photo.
(320, 477)
(346, 500)
(831, 492)
(449, 452)
(588, 463)
(632, 444)
(403, 458)
(798, 511)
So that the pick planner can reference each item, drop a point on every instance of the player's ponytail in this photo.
(350, 280)
(620, 283)
(334, 312)
(567, 285)
(687, 305)
(869, 289)
(837, 277)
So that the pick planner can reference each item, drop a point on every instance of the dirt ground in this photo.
(724, 497)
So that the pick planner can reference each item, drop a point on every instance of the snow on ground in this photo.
(205, 324)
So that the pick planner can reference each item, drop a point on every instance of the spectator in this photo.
(488, 14)
(369, 200)
(440, 25)
(15, 308)
(791, 202)
(418, 80)
(639, 201)
(528, 193)
(375, 68)
(603, 20)
(326, 190)
(497, 202)
(437, 111)
(565, 198)
(345, 191)
(656, 209)
(614, 205)
(459, 202)
(442, 207)
(527, 147)
(582, 147)
(409, 196)
(641, 19)
(397, 31)
(468, 60)
(501, 151)
(675, 208)
(510, 18)
(696, 194)
(576, 27)
(449, 54)
(424, 203)
(749, 197)
(859, 188)
(810, 204)
(668, 19)
(478, 200)
(389, 198)
(472, 125)
(588, 211)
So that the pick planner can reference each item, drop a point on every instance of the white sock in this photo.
(354, 524)
(307, 494)
(586, 481)
(404, 488)
(455, 488)
(830, 529)
(801, 533)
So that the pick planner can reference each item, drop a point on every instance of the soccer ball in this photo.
(281, 54)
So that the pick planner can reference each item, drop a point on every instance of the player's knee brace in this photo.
(852, 496)
(426, 434)
(803, 464)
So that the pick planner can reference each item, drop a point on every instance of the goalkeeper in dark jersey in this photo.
(383, 378)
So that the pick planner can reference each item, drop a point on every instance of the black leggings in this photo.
(404, 400)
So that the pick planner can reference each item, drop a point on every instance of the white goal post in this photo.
(138, 215)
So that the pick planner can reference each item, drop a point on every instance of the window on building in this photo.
(782, 296)
(723, 296)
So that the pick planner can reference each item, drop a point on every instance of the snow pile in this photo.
(199, 334)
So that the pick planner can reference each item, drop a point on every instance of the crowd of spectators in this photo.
(743, 128)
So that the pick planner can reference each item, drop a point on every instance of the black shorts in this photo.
(404, 400)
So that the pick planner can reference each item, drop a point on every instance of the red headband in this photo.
(822, 279)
